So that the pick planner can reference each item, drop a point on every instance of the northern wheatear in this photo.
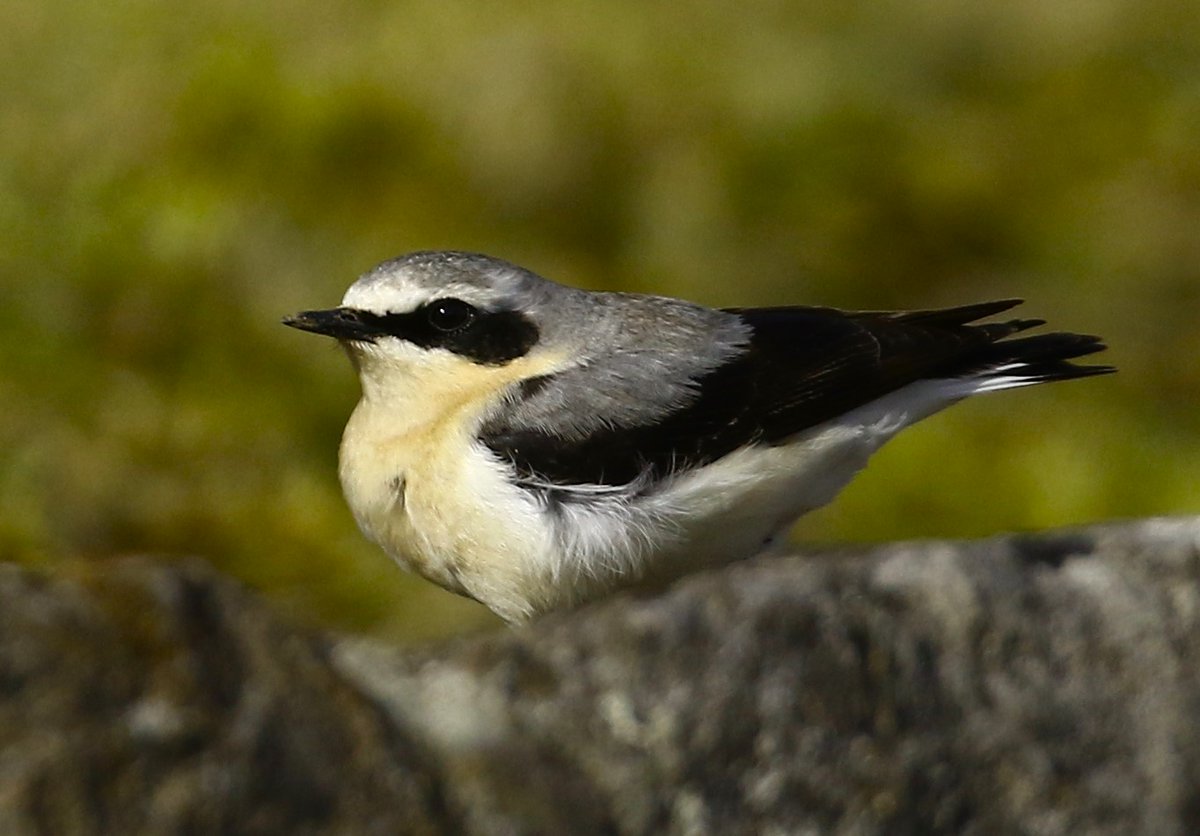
(533, 446)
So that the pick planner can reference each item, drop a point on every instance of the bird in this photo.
(536, 446)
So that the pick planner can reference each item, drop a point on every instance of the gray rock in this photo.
(1039, 684)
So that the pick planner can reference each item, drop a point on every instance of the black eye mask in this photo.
(490, 338)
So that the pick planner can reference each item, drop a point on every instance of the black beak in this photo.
(339, 323)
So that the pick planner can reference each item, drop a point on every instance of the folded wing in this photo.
(802, 366)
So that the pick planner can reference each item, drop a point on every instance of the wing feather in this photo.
(802, 366)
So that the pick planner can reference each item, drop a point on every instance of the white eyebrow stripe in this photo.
(376, 297)
(383, 298)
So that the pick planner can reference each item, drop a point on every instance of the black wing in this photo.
(803, 366)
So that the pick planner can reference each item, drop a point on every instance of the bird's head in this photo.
(446, 319)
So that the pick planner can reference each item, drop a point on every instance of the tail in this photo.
(1004, 363)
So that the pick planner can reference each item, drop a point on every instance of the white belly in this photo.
(440, 505)
(445, 507)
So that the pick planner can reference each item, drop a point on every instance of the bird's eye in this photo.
(449, 314)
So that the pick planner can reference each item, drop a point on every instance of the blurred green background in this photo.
(177, 177)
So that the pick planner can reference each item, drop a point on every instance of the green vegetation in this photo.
(173, 179)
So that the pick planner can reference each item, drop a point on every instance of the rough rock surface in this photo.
(1042, 683)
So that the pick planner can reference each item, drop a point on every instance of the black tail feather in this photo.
(1038, 358)
(1000, 330)
(951, 316)
(1044, 357)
